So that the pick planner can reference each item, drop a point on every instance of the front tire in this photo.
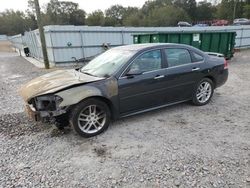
(90, 117)
(203, 92)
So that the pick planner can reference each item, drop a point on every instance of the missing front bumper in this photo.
(42, 115)
(32, 114)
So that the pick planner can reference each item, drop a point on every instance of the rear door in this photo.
(183, 73)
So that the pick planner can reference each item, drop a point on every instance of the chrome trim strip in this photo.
(159, 77)
(195, 63)
(153, 108)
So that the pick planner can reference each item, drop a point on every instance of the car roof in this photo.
(240, 19)
(182, 22)
(146, 46)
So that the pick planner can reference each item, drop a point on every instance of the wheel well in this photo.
(108, 102)
(213, 80)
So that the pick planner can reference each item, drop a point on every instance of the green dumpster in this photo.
(219, 42)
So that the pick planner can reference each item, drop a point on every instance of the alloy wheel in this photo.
(91, 119)
(204, 92)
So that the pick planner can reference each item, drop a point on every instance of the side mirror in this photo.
(133, 72)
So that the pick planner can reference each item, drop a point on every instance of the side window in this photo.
(177, 56)
(196, 57)
(148, 61)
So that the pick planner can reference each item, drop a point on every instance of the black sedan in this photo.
(124, 81)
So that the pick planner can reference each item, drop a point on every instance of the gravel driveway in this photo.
(178, 146)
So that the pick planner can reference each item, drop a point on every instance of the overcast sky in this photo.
(87, 5)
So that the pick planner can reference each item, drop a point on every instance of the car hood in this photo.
(53, 82)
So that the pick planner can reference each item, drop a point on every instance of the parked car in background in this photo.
(184, 24)
(200, 25)
(124, 81)
(241, 21)
(220, 22)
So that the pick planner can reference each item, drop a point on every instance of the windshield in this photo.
(107, 63)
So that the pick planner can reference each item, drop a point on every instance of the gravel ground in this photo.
(5, 46)
(178, 146)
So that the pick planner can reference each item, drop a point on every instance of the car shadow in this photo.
(153, 113)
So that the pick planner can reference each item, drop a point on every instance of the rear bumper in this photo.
(222, 77)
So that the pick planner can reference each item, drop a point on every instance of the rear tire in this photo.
(90, 117)
(203, 92)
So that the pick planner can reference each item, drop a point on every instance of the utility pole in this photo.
(235, 6)
(41, 32)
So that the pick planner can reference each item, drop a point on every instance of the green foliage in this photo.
(227, 8)
(166, 16)
(188, 5)
(246, 12)
(152, 13)
(13, 22)
(118, 15)
(131, 17)
(64, 12)
(110, 21)
(115, 15)
(150, 5)
(205, 11)
(95, 18)
(134, 19)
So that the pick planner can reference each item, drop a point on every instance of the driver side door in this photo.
(146, 88)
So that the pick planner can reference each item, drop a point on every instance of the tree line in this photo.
(152, 13)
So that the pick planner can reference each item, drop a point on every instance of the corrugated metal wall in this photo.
(3, 37)
(17, 41)
(65, 42)
(32, 40)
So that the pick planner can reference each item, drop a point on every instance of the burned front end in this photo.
(44, 107)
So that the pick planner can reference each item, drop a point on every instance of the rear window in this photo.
(196, 57)
(177, 56)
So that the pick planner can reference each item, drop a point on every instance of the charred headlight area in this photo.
(46, 102)
(47, 105)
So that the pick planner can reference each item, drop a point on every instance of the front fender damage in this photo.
(106, 89)
(74, 95)
(59, 103)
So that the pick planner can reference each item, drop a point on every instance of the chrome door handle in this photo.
(159, 76)
(195, 69)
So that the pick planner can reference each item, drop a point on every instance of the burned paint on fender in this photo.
(107, 88)
(111, 87)
(76, 94)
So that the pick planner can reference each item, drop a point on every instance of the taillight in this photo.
(225, 64)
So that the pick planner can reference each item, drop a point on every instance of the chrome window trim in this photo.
(167, 68)
(199, 62)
